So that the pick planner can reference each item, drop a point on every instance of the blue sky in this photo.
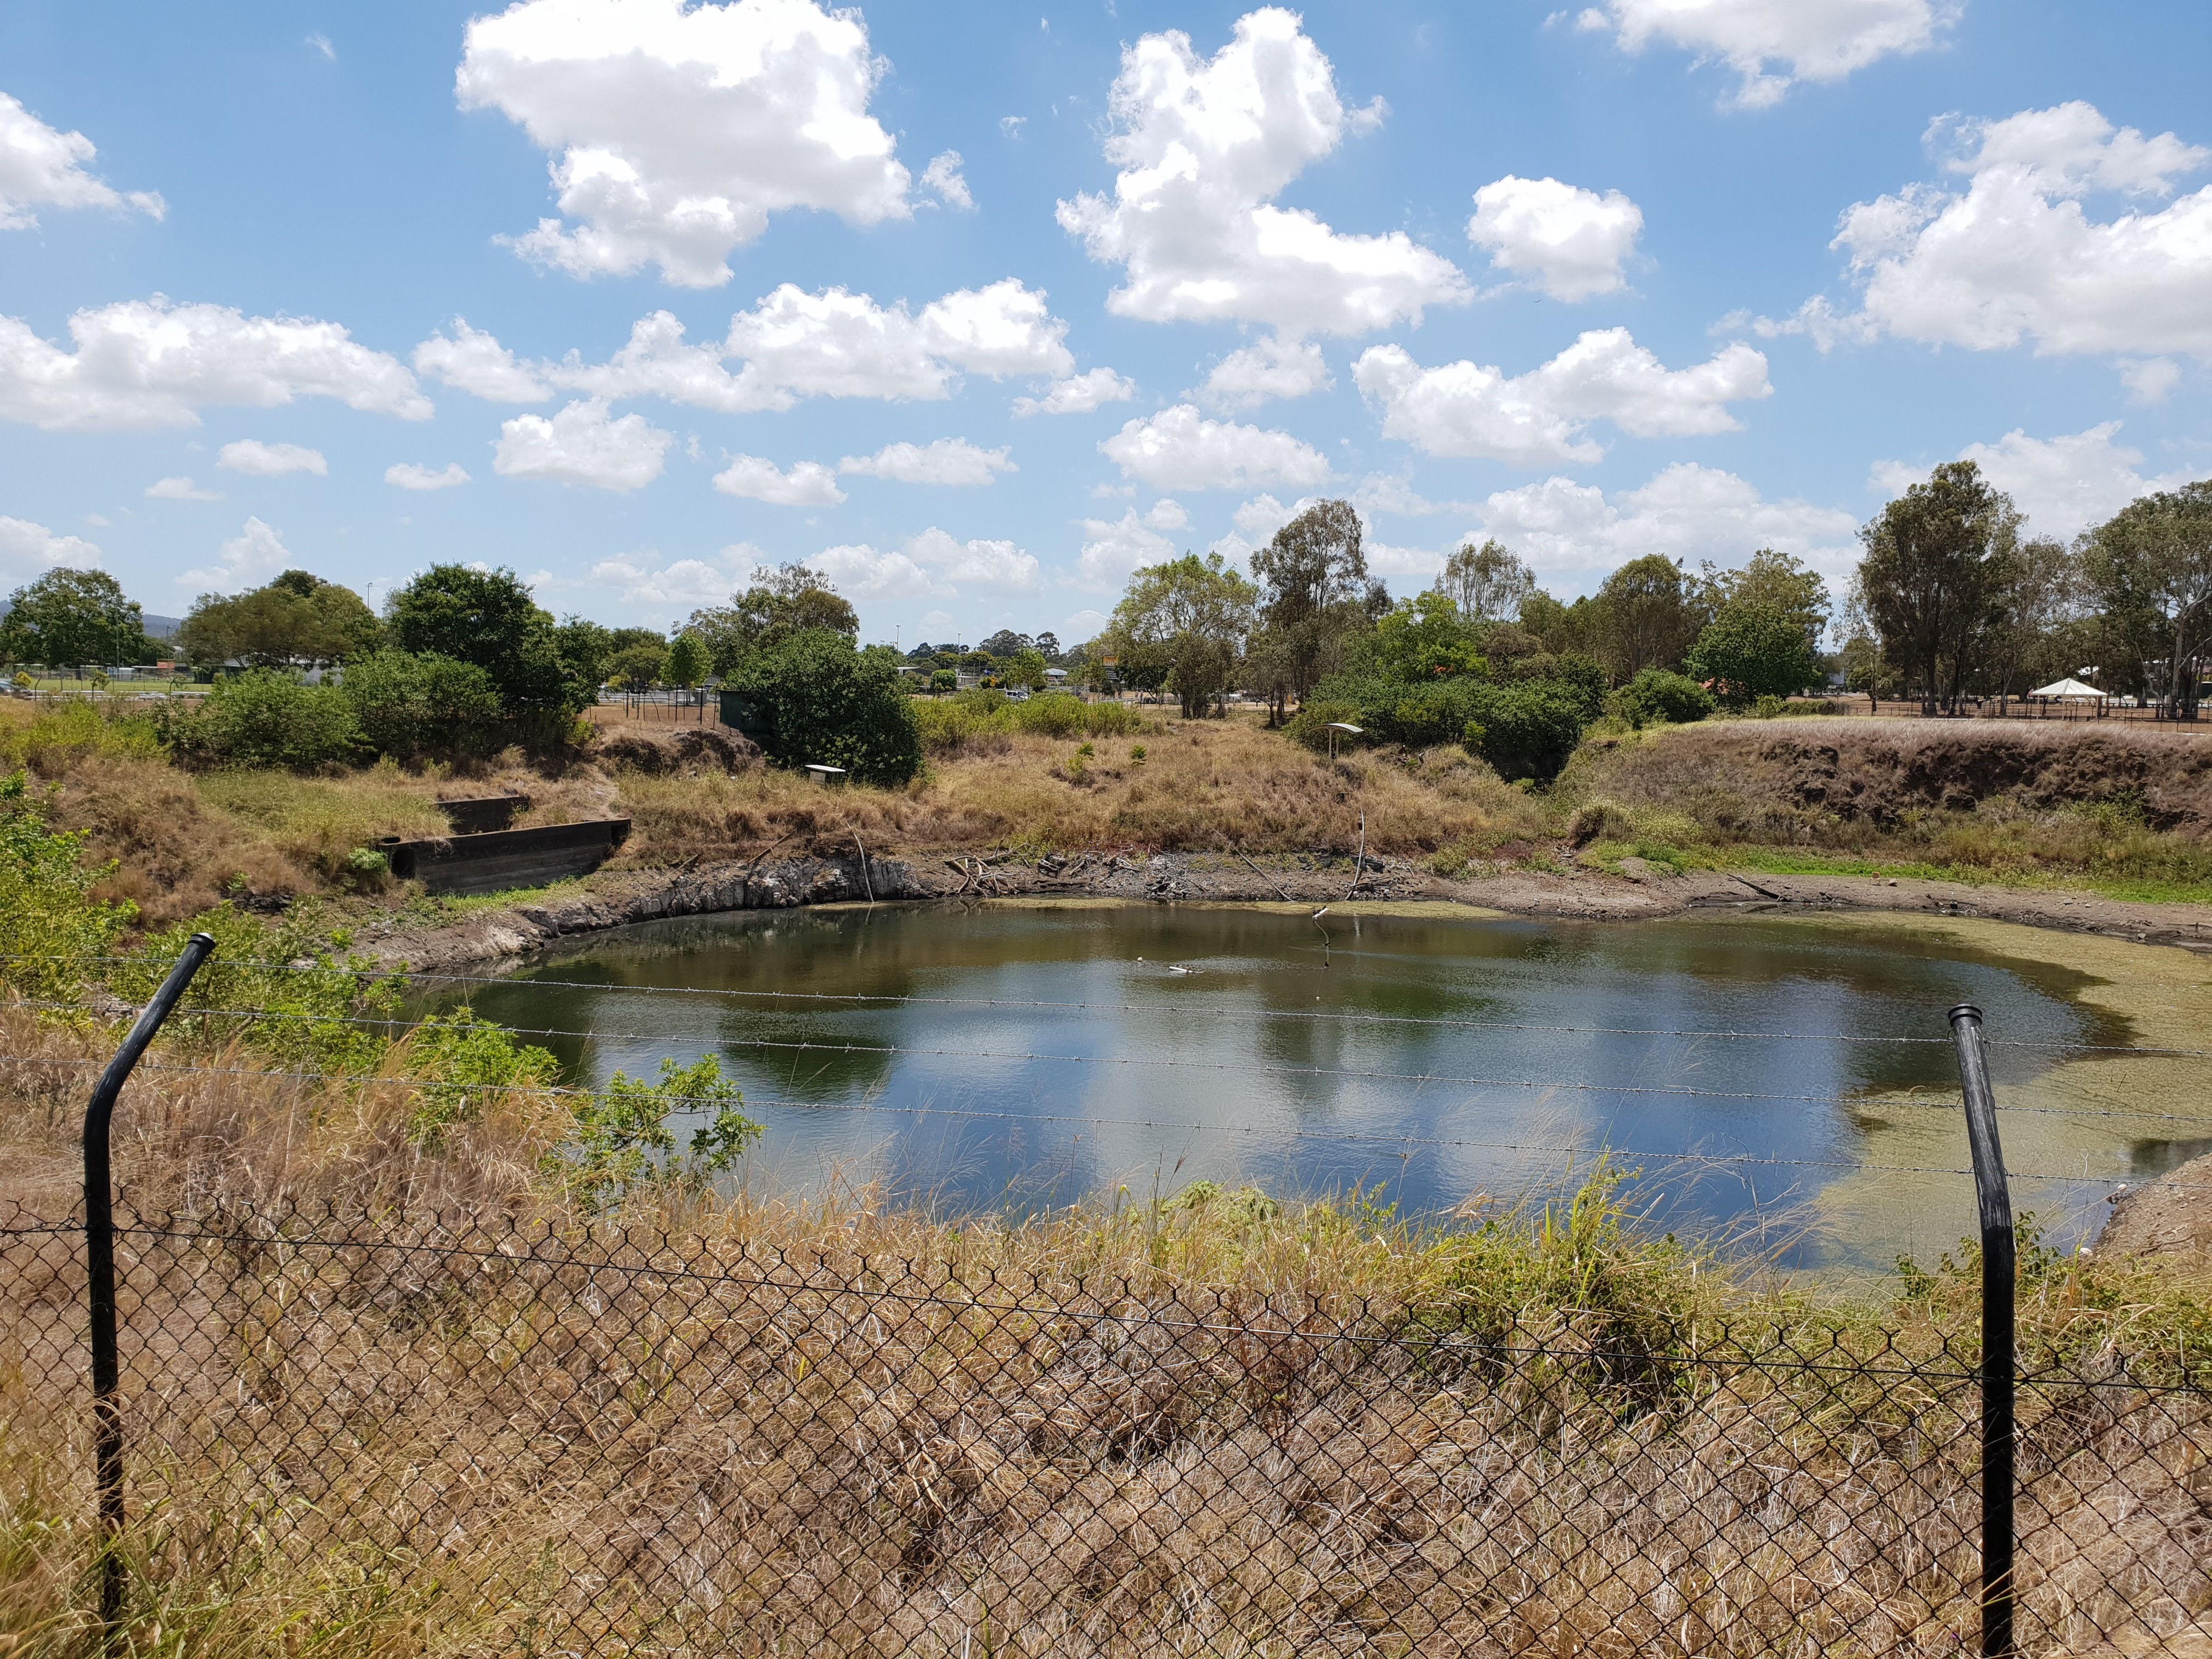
(979, 309)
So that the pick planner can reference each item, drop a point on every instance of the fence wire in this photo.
(557, 1439)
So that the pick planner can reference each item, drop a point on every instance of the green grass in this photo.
(1787, 861)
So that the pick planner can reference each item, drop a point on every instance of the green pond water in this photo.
(1786, 1082)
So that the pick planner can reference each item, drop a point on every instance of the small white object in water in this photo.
(1174, 969)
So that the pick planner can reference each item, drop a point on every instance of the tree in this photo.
(1753, 651)
(1048, 643)
(2151, 563)
(299, 619)
(1562, 628)
(1007, 643)
(1934, 574)
(1026, 667)
(823, 702)
(73, 618)
(1778, 581)
(1865, 669)
(488, 617)
(685, 664)
(1424, 639)
(1196, 613)
(778, 603)
(1314, 589)
(636, 667)
(1487, 583)
(1642, 617)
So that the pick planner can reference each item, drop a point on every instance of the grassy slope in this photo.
(1712, 796)
(2121, 812)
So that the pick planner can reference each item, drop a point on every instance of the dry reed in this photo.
(384, 1401)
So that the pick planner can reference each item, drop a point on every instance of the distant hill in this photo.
(157, 628)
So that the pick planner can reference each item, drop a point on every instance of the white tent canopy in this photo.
(2069, 688)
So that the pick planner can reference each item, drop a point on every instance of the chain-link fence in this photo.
(524, 1436)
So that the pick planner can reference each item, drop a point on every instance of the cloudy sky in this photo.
(980, 309)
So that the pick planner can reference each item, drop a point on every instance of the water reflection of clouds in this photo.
(1273, 1086)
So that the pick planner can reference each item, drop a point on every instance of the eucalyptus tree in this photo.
(2150, 565)
(1937, 567)
(1315, 591)
(1192, 615)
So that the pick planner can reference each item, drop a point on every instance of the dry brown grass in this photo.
(2130, 807)
(1202, 786)
(472, 1424)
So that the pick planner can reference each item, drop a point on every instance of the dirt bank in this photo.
(2170, 1216)
(1787, 781)
(617, 899)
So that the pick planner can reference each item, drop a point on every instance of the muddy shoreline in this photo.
(620, 898)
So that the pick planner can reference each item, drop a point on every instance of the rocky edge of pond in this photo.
(620, 898)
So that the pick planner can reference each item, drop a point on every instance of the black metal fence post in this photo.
(100, 1268)
(1998, 1258)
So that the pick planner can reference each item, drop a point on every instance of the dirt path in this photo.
(617, 898)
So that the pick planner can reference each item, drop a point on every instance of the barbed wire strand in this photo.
(1150, 1008)
(1373, 1138)
(1421, 1078)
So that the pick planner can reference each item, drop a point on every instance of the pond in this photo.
(1783, 1081)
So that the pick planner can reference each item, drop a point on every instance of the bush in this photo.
(980, 722)
(1526, 730)
(264, 719)
(1656, 695)
(825, 704)
(410, 705)
(47, 912)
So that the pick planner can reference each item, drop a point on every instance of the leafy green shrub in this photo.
(1656, 695)
(826, 703)
(61, 734)
(411, 705)
(980, 721)
(1526, 730)
(48, 913)
(264, 719)
(623, 1142)
(1310, 726)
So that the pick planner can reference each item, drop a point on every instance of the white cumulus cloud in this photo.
(413, 475)
(1204, 148)
(180, 490)
(41, 167)
(247, 560)
(2063, 484)
(1115, 549)
(999, 566)
(143, 363)
(1180, 449)
(809, 484)
(685, 584)
(2018, 255)
(251, 455)
(676, 130)
(1540, 418)
(29, 547)
(862, 573)
(1772, 44)
(943, 177)
(476, 362)
(584, 444)
(1569, 241)
(944, 461)
(1686, 512)
(791, 344)
(1079, 394)
(1271, 368)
